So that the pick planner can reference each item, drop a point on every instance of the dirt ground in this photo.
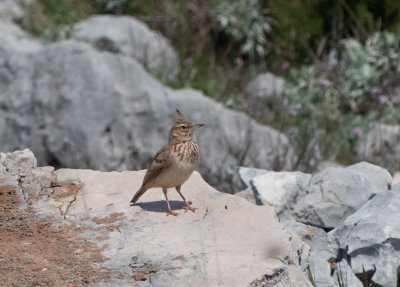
(45, 252)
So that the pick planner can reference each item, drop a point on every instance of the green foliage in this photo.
(340, 101)
(305, 25)
(52, 20)
(247, 23)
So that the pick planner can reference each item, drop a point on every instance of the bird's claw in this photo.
(188, 207)
(172, 213)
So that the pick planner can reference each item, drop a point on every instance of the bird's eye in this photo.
(183, 127)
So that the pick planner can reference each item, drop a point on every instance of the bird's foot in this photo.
(172, 213)
(188, 207)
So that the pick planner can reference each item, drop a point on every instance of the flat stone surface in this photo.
(227, 242)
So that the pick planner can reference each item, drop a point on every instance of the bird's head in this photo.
(183, 129)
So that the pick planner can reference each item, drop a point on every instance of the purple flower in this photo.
(293, 33)
(357, 132)
(188, 62)
(238, 61)
(325, 83)
(376, 90)
(384, 99)
(293, 113)
(285, 66)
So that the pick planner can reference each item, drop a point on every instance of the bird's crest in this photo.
(180, 119)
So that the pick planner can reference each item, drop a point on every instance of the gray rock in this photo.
(77, 107)
(396, 178)
(371, 237)
(325, 164)
(265, 86)
(396, 187)
(323, 275)
(11, 10)
(14, 41)
(247, 194)
(281, 189)
(381, 145)
(224, 243)
(16, 67)
(248, 173)
(315, 237)
(323, 257)
(335, 193)
(131, 37)
(379, 177)
(19, 162)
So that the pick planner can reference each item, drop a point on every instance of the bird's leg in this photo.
(169, 207)
(186, 207)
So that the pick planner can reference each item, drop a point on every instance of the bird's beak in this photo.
(198, 125)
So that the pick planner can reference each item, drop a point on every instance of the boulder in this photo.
(371, 238)
(265, 87)
(326, 272)
(15, 42)
(226, 242)
(248, 173)
(11, 10)
(326, 267)
(281, 189)
(396, 178)
(381, 145)
(315, 237)
(77, 107)
(129, 36)
(335, 193)
(379, 177)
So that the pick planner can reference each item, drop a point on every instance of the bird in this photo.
(174, 162)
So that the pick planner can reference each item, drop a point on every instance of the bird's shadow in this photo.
(160, 205)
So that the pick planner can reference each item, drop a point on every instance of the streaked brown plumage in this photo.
(174, 162)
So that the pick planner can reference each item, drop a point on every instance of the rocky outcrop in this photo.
(77, 107)
(281, 189)
(324, 199)
(12, 10)
(335, 193)
(226, 242)
(246, 174)
(264, 93)
(129, 36)
(396, 178)
(326, 266)
(371, 238)
(362, 207)
(381, 145)
(265, 87)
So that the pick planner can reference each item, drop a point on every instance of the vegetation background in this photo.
(340, 60)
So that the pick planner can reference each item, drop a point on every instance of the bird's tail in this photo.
(138, 194)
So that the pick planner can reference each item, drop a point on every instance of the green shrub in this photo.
(247, 23)
(305, 25)
(332, 106)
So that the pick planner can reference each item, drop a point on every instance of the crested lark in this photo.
(174, 162)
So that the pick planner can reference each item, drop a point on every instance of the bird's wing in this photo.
(161, 161)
